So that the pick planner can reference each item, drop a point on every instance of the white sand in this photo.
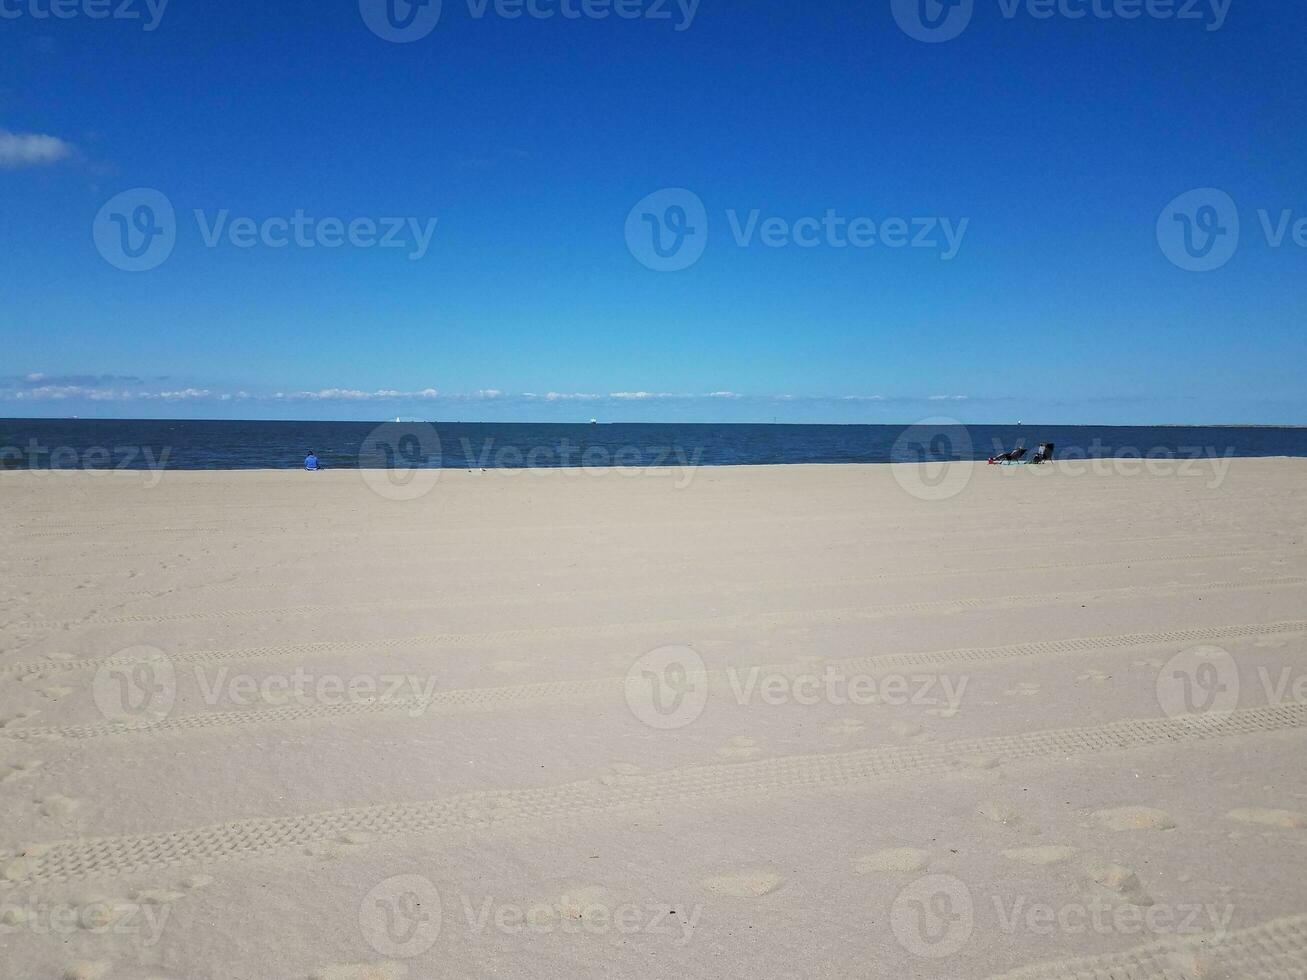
(780, 722)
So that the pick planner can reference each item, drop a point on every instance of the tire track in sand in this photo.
(355, 562)
(510, 696)
(519, 598)
(963, 654)
(848, 613)
(243, 839)
(1274, 950)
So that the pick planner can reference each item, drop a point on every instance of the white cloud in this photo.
(31, 388)
(336, 394)
(357, 395)
(38, 386)
(31, 149)
(62, 392)
(640, 396)
(48, 393)
(186, 394)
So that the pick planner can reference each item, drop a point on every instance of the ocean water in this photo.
(199, 445)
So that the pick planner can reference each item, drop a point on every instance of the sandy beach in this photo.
(750, 722)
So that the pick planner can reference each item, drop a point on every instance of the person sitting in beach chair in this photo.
(311, 461)
(1044, 454)
(1011, 456)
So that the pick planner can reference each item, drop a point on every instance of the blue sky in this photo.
(1049, 144)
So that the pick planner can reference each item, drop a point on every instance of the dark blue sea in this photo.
(199, 445)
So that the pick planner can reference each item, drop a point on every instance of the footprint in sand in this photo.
(338, 847)
(1026, 689)
(740, 747)
(22, 865)
(97, 913)
(618, 773)
(1041, 856)
(998, 812)
(1133, 818)
(754, 884)
(57, 806)
(1095, 676)
(894, 860)
(947, 711)
(1152, 663)
(16, 720)
(56, 693)
(1285, 819)
(156, 896)
(905, 729)
(362, 971)
(1117, 878)
(86, 970)
(979, 761)
(1270, 643)
(1191, 964)
(18, 770)
(573, 904)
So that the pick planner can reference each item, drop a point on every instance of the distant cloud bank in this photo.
(30, 388)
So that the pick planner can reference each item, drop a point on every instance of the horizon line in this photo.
(587, 423)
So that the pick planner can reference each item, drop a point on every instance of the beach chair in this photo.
(1044, 454)
(1017, 454)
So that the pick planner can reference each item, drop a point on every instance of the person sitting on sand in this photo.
(311, 461)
